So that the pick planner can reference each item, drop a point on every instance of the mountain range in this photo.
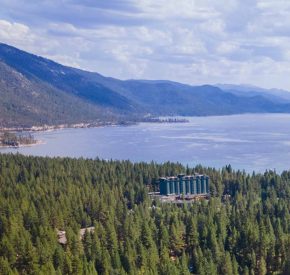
(35, 91)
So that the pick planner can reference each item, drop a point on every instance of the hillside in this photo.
(275, 95)
(47, 203)
(169, 98)
(161, 97)
(25, 102)
(37, 91)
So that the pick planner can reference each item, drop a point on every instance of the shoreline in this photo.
(48, 128)
(86, 125)
(58, 127)
(37, 142)
(170, 120)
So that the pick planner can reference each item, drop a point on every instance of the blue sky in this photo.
(190, 41)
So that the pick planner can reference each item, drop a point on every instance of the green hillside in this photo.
(246, 233)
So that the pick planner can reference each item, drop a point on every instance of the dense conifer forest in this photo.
(247, 232)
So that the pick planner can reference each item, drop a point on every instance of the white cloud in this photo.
(213, 26)
(15, 32)
(173, 9)
(193, 41)
(227, 47)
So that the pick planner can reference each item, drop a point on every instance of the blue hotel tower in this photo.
(187, 185)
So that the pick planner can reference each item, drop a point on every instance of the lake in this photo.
(250, 142)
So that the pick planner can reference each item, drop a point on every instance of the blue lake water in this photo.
(250, 142)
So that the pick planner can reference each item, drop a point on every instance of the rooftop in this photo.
(183, 176)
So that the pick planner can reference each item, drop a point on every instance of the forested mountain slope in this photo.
(275, 95)
(26, 102)
(171, 98)
(62, 77)
(37, 91)
(248, 233)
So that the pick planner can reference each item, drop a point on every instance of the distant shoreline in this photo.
(37, 142)
(165, 119)
(46, 128)
(90, 125)
(55, 127)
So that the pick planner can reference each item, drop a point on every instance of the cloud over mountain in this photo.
(192, 41)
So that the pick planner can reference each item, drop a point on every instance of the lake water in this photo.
(250, 142)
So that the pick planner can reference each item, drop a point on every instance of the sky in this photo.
(190, 41)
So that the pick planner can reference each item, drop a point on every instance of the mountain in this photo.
(276, 95)
(28, 101)
(163, 97)
(62, 77)
(172, 98)
(36, 91)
